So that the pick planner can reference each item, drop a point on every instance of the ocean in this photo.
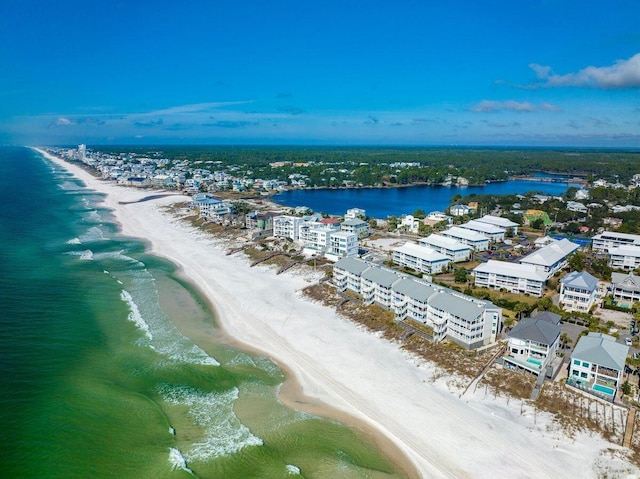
(97, 379)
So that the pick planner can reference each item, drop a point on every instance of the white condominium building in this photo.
(451, 248)
(624, 257)
(420, 258)
(477, 241)
(494, 233)
(501, 222)
(516, 278)
(468, 321)
(551, 258)
(604, 241)
(342, 244)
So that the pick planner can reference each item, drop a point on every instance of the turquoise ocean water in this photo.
(97, 381)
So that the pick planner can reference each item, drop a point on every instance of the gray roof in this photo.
(580, 280)
(380, 276)
(457, 306)
(413, 289)
(551, 254)
(601, 349)
(629, 282)
(548, 316)
(536, 329)
(352, 265)
(354, 222)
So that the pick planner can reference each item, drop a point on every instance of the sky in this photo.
(306, 72)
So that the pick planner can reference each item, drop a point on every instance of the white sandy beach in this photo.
(357, 373)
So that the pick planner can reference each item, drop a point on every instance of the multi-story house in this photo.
(420, 258)
(597, 364)
(533, 343)
(356, 226)
(451, 248)
(625, 287)
(342, 244)
(578, 291)
(516, 278)
(286, 227)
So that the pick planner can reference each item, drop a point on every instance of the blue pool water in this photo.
(534, 361)
(604, 389)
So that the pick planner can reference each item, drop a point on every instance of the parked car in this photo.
(627, 341)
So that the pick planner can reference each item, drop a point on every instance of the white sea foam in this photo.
(224, 434)
(134, 314)
(93, 234)
(293, 470)
(87, 255)
(74, 241)
(118, 255)
(178, 461)
(92, 217)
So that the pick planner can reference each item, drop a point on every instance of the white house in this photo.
(409, 223)
(357, 226)
(516, 278)
(577, 207)
(533, 342)
(477, 241)
(608, 239)
(460, 210)
(625, 287)
(597, 364)
(551, 258)
(376, 286)
(578, 291)
(451, 248)
(494, 233)
(354, 213)
(420, 258)
(286, 227)
(500, 222)
(624, 257)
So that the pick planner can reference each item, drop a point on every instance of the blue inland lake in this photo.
(384, 202)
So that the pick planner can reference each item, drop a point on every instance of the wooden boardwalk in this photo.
(628, 433)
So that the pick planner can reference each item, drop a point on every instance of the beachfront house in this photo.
(409, 224)
(597, 364)
(533, 343)
(625, 287)
(551, 258)
(420, 258)
(516, 278)
(451, 248)
(608, 239)
(286, 227)
(468, 321)
(341, 245)
(477, 241)
(578, 291)
(494, 233)
(500, 222)
(356, 226)
(624, 257)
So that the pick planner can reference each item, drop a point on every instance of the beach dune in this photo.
(339, 369)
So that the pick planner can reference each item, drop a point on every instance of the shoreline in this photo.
(332, 364)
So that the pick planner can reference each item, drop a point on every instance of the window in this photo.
(576, 362)
(583, 375)
(585, 364)
(575, 373)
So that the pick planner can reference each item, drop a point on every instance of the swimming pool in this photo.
(604, 389)
(534, 361)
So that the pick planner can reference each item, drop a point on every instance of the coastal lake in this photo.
(384, 202)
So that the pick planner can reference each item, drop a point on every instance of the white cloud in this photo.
(622, 74)
(489, 106)
(64, 122)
